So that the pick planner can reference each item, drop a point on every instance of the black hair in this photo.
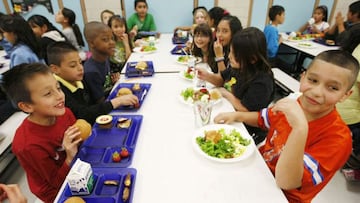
(249, 50)
(274, 11)
(24, 34)
(57, 50)
(14, 80)
(353, 39)
(324, 11)
(39, 20)
(217, 13)
(204, 29)
(140, 1)
(342, 59)
(70, 15)
(354, 8)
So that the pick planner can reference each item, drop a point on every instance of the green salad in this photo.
(223, 145)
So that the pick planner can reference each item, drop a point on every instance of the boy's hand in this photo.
(293, 112)
(225, 118)
(114, 77)
(125, 100)
(12, 193)
(70, 142)
(339, 19)
(218, 49)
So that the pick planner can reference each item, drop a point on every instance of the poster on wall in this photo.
(24, 6)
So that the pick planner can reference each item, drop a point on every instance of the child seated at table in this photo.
(46, 141)
(226, 29)
(249, 83)
(123, 45)
(141, 20)
(98, 76)
(308, 142)
(105, 15)
(273, 39)
(65, 62)
(203, 46)
(200, 16)
(318, 23)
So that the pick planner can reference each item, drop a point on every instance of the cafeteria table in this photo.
(169, 169)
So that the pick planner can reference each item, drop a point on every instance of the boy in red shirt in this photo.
(307, 141)
(46, 142)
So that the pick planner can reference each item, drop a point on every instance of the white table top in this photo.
(162, 59)
(170, 170)
(313, 50)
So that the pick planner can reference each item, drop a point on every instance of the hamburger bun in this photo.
(74, 200)
(84, 127)
(123, 91)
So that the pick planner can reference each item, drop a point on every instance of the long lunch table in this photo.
(168, 167)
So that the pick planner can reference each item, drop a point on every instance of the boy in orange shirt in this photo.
(307, 141)
(46, 141)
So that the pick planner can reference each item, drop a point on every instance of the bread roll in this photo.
(74, 200)
(84, 127)
(123, 91)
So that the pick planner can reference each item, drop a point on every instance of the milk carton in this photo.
(80, 178)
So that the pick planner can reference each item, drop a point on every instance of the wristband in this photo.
(219, 59)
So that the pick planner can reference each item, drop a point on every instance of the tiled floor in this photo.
(338, 190)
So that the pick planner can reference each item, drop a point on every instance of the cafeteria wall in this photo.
(171, 13)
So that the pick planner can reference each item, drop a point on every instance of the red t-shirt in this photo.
(40, 152)
(328, 146)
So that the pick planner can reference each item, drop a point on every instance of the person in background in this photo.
(200, 16)
(46, 141)
(18, 32)
(3, 42)
(66, 65)
(12, 193)
(249, 78)
(226, 29)
(203, 46)
(215, 15)
(318, 23)
(46, 32)
(106, 15)
(122, 46)
(97, 76)
(141, 20)
(307, 142)
(66, 18)
(350, 109)
(273, 39)
(339, 31)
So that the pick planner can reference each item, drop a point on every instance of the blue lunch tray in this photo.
(106, 193)
(177, 50)
(102, 143)
(132, 71)
(141, 94)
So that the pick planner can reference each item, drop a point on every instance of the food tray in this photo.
(180, 40)
(132, 71)
(106, 193)
(141, 94)
(323, 42)
(178, 50)
(103, 142)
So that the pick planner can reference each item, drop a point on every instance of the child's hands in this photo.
(339, 19)
(226, 118)
(125, 100)
(293, 112)
(70, 142)
(114, 77)
(125, 38)
(133, 31)
(218, 49)
(12, 193)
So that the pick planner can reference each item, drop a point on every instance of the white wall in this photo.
(94, 8)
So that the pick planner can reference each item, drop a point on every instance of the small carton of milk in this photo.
(80, 178)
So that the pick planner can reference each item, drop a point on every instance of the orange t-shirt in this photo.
(327, 148)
